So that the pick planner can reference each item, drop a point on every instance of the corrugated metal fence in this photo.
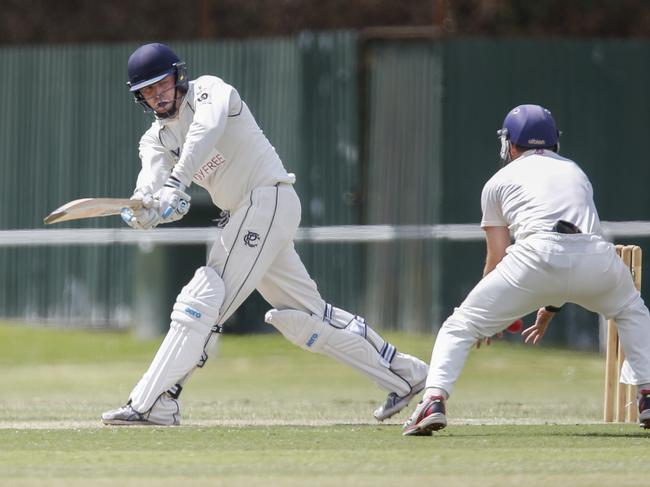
(378, 131)
(64, 135)
(403, 174)
(71, 131)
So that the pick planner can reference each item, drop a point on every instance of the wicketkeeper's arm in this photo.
(536, 332)
(497, 240)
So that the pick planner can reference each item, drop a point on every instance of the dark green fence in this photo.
(378, 131)
(403, 176)
(598, 93)
(70, 130)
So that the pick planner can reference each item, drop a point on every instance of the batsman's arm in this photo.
(156, 162)
(212, 101)
(156, 168)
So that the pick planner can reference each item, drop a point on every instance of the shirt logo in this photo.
(207, 168)
(252, 239)
(537, 141)
(176, 152)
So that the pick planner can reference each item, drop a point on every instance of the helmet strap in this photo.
(504, 153)
(172, 111)
(180, 86)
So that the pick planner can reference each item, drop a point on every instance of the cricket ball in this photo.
(515, 327)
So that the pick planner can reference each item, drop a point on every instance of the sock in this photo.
(435, 391)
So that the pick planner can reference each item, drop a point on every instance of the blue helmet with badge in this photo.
(150, 64)
(528, 126)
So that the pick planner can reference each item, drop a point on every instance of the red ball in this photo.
(515, 327)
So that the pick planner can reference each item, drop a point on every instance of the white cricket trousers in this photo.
(547, 269)
(255, 251)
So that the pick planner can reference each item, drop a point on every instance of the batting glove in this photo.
(146, 217)
(173, 201)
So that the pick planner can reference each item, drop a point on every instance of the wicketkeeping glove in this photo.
(146, 217)
(173, 201)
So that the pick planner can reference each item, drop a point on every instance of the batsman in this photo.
(204, 133)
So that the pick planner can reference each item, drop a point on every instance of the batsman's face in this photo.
(160, 96)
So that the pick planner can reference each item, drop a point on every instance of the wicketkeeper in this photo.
(204, 133)
(559, 256)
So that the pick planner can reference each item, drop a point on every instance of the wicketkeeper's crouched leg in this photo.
(348, 339)
(154, 398)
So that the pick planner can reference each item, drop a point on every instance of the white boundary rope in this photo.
(331, 234)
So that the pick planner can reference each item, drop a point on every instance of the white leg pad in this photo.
(348, 339)
(195, 313)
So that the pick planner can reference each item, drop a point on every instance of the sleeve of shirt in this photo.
(156, 165)
(491, 206)
(212, 101)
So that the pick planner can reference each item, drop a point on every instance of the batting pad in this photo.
(195, 312)
(347, 339)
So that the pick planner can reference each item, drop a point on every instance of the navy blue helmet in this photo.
(151, 63)
(529, 126)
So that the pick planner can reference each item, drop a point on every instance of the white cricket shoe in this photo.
(166, 411)
(643, 401)
(394, 403)
(428, 416)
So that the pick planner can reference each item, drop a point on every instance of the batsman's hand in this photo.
(146, 217)
(535, 333)
(173, 202)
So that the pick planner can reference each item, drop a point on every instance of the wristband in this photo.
(553, 309)
(174, 182)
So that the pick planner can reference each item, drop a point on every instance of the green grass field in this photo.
(263, 412)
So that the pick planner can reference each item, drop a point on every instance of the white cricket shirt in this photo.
(214, 142)
(536, 190)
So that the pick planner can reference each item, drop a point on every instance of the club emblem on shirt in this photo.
(176, 152)
(252, 239)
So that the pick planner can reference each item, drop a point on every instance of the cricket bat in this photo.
(90, 208)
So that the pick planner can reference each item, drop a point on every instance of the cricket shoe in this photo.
(395, 403)
(644, 408)
(165, 412)
(429, 416)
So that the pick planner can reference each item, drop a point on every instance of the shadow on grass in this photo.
(537, 431)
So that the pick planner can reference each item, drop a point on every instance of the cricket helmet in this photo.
(529, 126)
(151, 63)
